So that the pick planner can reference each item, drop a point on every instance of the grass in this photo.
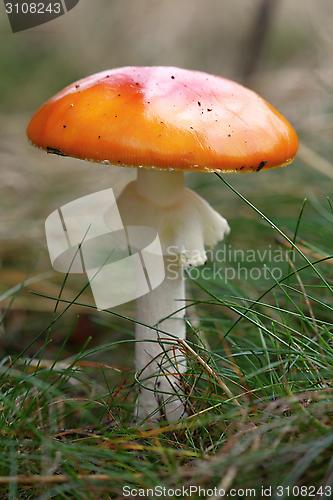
(260, 400)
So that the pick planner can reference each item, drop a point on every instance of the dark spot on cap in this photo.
(209, 109)
(242, 168)
(172, 77)
(199, 103)
(116, 116)
(77, 86)
(119, 95)
(107, 76)
(99, 136)
(229, 135)
(261, 165)
(54, 151)
(191, 128)
(64, 126)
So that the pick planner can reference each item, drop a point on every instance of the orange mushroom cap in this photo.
(166, 118)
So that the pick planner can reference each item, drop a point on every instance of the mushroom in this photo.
(165, 121)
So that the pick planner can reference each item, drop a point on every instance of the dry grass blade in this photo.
(302, 246)
(37, 364)
(53, 479)
(209, 370)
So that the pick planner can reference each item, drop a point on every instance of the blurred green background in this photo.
(288, 59)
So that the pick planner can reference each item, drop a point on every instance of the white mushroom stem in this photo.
(185, 223)
(159, 361)
(163, 189)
